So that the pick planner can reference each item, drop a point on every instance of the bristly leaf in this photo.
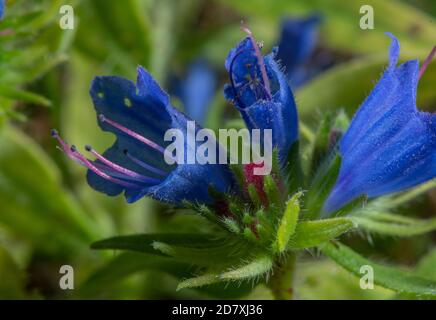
(388, 277)
(293, 171)
(144, 242)
(393, 225)
(272, 192)
(404, 197)
(321, 185)
(321, 143)
(254, 196)
(312, 233)
(288, 223)
(256, 268)
(215, 256)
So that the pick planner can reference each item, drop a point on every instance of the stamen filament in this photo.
(136, 136)
(120, 169)
(426, 62)
(144, 165)
(72, 152)
(259, 59)
(99, 172)
(131, 133)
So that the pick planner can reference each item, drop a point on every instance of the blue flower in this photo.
(2, 8)
(297, 42)
(197, 90)
(390, 145)
(261, 93)
(139, 115)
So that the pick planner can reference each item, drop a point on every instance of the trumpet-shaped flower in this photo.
(390, 145)
(139, 115)
(297, 42)
(261, 93)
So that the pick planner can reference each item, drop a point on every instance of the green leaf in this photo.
(254, 196)
(321, 185)
(409, 195)
(321, 143)
(388, 224)
(313, 233)
(391, 278)
(217, 256)
(273, 194)
(24, 95)
(293, 170)
(254, 269)
(288, 223)
(426, 266)
(144, 242)
(316, 278)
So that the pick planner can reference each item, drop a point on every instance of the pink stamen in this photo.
(120, 169)
(259, 59)
(144, 165)
(100, 173)
(136, 136)
(427, 62)
(131, 133)
(77, 156)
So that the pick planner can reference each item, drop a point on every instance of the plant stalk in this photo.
(281, 282)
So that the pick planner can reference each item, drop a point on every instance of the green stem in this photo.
(281, 282)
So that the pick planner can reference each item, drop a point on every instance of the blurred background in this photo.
(48, 214)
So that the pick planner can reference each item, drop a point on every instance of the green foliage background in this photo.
(49, 216)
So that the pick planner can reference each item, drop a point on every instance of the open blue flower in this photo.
(139, 115)
(297, 42)
(390, 145)
(197, 90)
(261, 93)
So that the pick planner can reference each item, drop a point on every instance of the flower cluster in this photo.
(388, 147)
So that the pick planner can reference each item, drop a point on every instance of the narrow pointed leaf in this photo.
(395, 228)
(211, 256)
(313, 233)
(144, 242)
(391, 278)
(321, 185)
(288, 223)
(256, 268)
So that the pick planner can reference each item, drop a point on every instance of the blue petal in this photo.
(197, 91)
(390, 145)
(297, 41)
(145, 109)
(248, 92)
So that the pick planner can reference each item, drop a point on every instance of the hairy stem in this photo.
(281, 282)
